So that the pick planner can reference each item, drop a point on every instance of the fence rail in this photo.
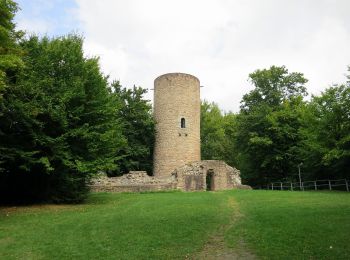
(342, 184)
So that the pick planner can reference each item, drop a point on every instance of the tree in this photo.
(267, 132)
(135, 114)
(212, 132)
(217, 134)
(10, 53)
(59, 122)
(327, 146)
(272, 87)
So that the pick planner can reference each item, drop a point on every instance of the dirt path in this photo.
(216, 247)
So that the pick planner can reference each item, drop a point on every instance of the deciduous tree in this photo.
(267, 133)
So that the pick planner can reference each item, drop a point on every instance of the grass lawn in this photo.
(177, 225)
(293, 225)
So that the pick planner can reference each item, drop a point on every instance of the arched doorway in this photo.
(210, 180)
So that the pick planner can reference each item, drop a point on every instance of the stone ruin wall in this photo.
(189, 177)
(134, 181)
(193, 176)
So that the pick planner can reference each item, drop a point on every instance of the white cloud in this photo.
(34, 25)
(113, 61)
(220, 42)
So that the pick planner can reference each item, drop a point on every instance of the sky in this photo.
(218, 41)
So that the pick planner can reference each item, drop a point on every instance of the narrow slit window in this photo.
(183, 123)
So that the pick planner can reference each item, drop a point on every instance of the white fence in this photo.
(341, 184)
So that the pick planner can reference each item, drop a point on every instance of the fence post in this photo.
(347, 184)
(302, 187)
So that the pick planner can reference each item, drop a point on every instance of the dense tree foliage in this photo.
(276, 130)
(213, 136)
(217, 133)
(268, 125)
(10, 53)
(61, 121)
(138, 129)
(326, 146)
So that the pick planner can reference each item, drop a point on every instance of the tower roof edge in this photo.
(176, 74)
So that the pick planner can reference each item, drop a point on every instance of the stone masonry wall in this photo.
(193, 176)
(134, 181)
(176, 96)
(189, 177)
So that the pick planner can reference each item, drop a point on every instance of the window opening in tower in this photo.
(183, 123)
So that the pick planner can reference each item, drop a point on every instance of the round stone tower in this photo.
(177, 116)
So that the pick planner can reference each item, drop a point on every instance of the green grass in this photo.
(293, 225)
(176, 225)
(114, 226)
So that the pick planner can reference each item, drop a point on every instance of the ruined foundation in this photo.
(210, 175)
(134, 181)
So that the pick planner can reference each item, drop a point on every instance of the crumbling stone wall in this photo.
(193, 176)
(189, 177)
(134, 181)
